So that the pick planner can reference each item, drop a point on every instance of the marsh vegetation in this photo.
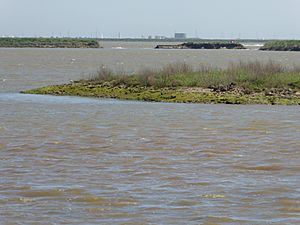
(203, 45)
(48, 43)
(289, 45)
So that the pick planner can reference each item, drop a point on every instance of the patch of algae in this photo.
(160, 95)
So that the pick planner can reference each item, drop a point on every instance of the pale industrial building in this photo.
(180, 35)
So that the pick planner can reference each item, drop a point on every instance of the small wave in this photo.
(253, 45)
(100, 201)
(118, 48)
(213, 196)
(41, 193)
(185, 202)
(260, 168)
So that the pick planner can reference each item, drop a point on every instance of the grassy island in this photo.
(48, 43)
(203, 45)
(291, 45)
(242, 83)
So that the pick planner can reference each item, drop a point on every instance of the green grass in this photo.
(252, 76)
(48, 42)
(289, 45)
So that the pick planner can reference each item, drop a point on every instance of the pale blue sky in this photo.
(133, 18)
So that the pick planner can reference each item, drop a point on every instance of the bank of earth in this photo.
(227, 95)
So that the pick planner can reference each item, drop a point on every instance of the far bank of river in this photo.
(48, 43)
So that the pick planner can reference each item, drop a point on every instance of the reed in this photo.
(248, 75)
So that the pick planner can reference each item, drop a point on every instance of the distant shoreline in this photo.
(203, 45)
(189, 43)
(48, 43)
(289, 45)
(181, 40)
(194, 43)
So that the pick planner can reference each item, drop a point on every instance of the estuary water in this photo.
(72, 160)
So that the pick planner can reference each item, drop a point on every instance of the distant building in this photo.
(180, 35)
(159, 37)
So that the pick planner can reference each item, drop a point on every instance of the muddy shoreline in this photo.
(213, 95)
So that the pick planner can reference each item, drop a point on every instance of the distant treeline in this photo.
(284, 45)
(289, 45)
(48, 43)
(203, 45)
(195, 40)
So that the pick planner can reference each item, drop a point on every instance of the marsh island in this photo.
(289, 45)
(203, 45)
(48, 43)
(242, 83)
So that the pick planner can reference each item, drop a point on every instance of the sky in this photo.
(256, 19)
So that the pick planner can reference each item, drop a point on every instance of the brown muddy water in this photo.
(72, 160)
